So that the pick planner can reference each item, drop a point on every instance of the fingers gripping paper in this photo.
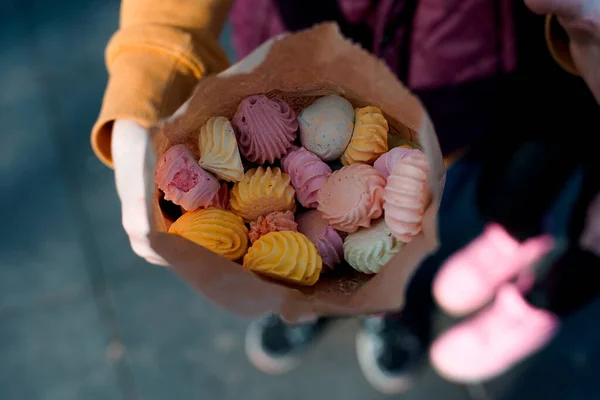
(298, 68)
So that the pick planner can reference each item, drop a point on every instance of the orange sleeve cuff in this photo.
(557, 40)
(152, 71)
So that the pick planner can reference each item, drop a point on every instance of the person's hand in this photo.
(581, 21)
(134, 160)
(130, 145)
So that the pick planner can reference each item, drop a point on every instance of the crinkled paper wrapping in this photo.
(298, 68)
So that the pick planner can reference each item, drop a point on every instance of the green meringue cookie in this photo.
(369, 249)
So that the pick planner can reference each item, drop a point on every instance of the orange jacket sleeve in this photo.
(162, 48)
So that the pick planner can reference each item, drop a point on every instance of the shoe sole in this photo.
(263, 361)
(382, 382)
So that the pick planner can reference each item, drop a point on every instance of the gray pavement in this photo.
(82, 318)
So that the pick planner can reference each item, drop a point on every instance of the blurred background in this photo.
(81, 317)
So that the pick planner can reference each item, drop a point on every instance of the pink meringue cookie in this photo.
(328, 241)
(221, 199)
(406, 196)
(352, 197)
(386, 162)
(265, 128)
(183, 181)
(307, 173)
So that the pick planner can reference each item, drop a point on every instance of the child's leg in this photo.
(514, 326)
(572, 280)
(275, 347)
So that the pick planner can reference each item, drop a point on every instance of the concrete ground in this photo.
(82, 318)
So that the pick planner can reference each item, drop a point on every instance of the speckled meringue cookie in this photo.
(265, 128)
(326, 126)
(369, 138)
(307, 173)
(219, 152)
(386, 162)
(328, 241)
(352, 197)
(183, 181)
(369, 249)
(406, 196)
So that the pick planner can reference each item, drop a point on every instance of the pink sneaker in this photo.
(493, 340)
(469, 279)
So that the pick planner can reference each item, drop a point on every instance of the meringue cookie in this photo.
(265, 128)
(262, 191)
(326, 126)
(221, 199)
(307, 173)
(369, 138)
(219, 231)
(219, 152)
(276, 221)
(286, 256)
(399, 141)
(328, 241)
(386, 162)
(406, 196)
(352, 197)
(183, 181)
(369, 249)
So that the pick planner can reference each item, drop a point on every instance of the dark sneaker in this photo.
(389, 353)
(275, 347)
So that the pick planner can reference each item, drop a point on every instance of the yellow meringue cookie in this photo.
(262, 191)
(369, 139)
(369, 249)
(219, 151)
(220, 231)
(286, 256)
(399, 141)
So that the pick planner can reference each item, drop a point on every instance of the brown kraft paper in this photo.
(298, 68)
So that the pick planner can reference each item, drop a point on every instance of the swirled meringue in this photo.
(352, 197)
(218, 230)
(386, 162)
(265, 128)
(183, 181)
(406, 196)
(276, 221)
(307, 173)
(219, 152)
(286, 256)
(369, 249)
(328, 241)
(262, 191)
(369, 138)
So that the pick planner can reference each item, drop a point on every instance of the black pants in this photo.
(539, 132)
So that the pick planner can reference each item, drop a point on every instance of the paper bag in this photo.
(298, 68)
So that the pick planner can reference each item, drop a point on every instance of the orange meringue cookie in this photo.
(276, 221)
(286, 256)
(220, 231)
(369, 138)
(406, 196)
(262, 191)
(352, 197)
